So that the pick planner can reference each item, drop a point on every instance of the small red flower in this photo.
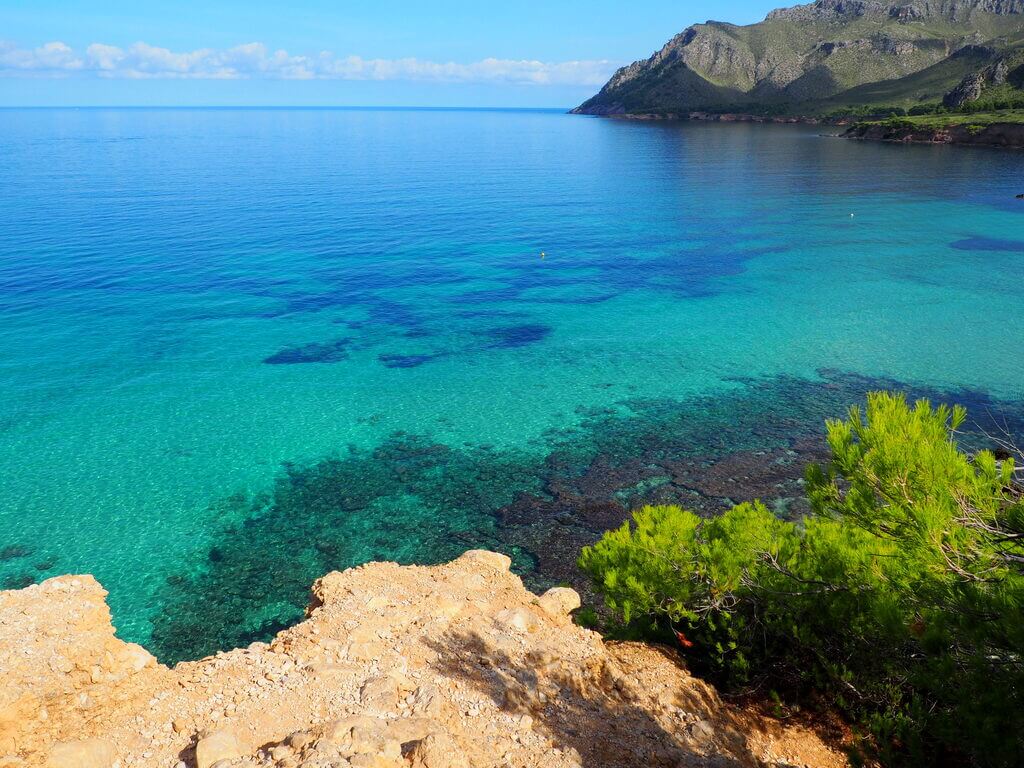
(683, 640)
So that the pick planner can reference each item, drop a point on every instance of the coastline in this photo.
(1005, 135)
(999, 135)
(393, 667)
(712, 117)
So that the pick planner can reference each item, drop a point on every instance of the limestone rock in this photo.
(217, 746)
(560, 601)
(495, 560)
(372, 739)
(410, 729)
(91, 753)
(340, 731)
(516, 620)
(376, 761)
(426, 700)
(973, 86)
(367, 651)
(701, 732)
(136, 658)
(969, 89)
(438, 751)
(379, 675)
(380, 694)
(17, 709)
(299, 740)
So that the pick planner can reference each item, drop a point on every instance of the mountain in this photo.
(827, 55)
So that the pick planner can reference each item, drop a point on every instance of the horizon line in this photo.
(396, 107)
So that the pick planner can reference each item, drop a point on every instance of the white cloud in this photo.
(51, 56)
(255, 60)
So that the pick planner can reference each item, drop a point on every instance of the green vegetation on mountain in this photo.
(949, 119)
(1000, 128)
(827, 56)
(900, 600)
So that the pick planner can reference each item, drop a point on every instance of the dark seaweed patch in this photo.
(489, 313)
(407, 361)
(317, 352)
(14, 551)
(507, 293)
(517, 335)
(413, 500)
(362, 506)
(982, 243)
(594, 275)
(17, 581)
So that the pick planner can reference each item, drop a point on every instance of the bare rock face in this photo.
(973, 86)
(92, 753)
(445, 667)
(559, 601)
(438, 751)
(998, 72)
(60, 661)
(908, 10)
(969, 89)
(216, 746)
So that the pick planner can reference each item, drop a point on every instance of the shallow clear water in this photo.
(215, 324)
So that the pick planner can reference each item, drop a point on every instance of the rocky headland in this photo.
(829, 59)
(454, 665)
(828, 54)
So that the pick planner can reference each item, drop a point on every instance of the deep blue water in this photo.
(241, 347)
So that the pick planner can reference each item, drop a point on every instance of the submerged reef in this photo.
(326, 352)
(512, 336)
(412, 499)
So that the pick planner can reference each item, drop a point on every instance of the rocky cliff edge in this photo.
(456, 665)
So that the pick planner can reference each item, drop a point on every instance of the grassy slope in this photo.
(945, 121)
(926, 86)
(931, 83)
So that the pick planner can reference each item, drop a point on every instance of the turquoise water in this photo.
(241, 347)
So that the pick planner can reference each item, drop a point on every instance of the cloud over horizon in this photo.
(256, 60)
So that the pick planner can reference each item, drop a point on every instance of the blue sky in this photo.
(332, 52)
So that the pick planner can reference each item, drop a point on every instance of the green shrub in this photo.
(899, 599)
(899, 124)
(994, 103)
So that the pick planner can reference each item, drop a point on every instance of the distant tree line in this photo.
(1013, 100)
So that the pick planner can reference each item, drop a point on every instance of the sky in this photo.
(442, 53)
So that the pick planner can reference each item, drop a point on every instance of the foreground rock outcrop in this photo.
(449, 666)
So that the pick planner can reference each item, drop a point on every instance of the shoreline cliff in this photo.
(1006, 135)
(450, 666)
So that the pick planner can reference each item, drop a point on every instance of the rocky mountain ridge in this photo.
(902, 11)
(453, 666)
(816, 57)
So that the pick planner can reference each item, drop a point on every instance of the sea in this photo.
(240, 348)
